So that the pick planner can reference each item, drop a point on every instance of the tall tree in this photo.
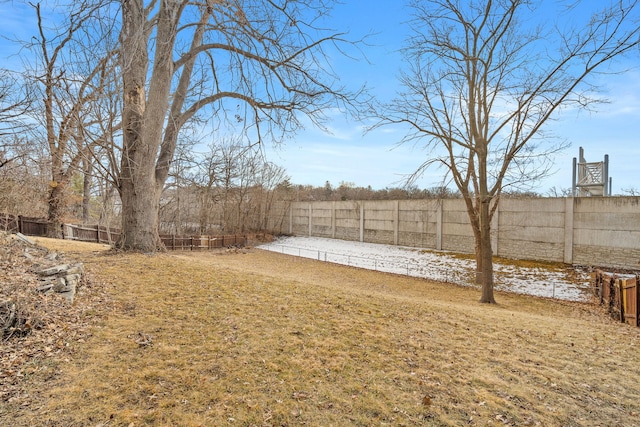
(72, 63)
(261, 64)
(482, 82)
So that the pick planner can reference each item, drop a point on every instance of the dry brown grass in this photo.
(263, 339)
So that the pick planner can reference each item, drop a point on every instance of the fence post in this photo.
(69, 231)
(439, 225)
(291, 219)
(396, 221)
(361, 221)
(637, 322)
(621, 303)
(600, 286)
(333, 220)
(612, 292)
(568, 230)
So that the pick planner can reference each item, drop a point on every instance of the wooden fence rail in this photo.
(25, 225)
(102, 234)
(91, 233)
(620, 294)
(197, 243)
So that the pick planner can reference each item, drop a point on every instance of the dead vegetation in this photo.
(36, 328)
(263, 339)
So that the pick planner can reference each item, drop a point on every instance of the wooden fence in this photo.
(91, 233)
(25, 225)
(197, 243)
(101, 234)
(172, 242)
(620, 295)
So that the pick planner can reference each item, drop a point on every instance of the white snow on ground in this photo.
(565, 283)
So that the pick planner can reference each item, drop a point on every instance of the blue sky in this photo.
(374, 159)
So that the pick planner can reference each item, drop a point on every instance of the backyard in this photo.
(250, 337)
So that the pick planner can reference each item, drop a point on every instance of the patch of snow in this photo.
(562, 283)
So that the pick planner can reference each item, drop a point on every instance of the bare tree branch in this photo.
(263, 63)
(482, 85)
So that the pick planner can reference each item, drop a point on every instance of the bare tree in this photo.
(631, 191)
(179, 201)
(231, 171)
(105, 141)
(262, 65)
(480, 87)
(269, 181)
(229, 188)
(15, 98)
(70, 70)
(207, 181)
(23, 179)
(560, 192)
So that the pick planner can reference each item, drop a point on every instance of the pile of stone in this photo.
(26, 270)
(62, 278)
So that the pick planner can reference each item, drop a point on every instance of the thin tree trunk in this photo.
(86, 189)
(486, 254)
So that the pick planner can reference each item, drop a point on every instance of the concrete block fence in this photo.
(600, 231)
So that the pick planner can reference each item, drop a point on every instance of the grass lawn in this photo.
(263, 339)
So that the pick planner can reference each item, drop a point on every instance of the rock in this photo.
(51, 271)
(63, 279)
(25, 239)
(75, 269)
(46, 288)
(61, 285)
(52, 256)
(73, 279)
(70, 296)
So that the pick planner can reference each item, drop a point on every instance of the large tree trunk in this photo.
(140, 205)
(143, 120)
(57, 205)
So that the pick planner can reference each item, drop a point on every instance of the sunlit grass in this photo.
(266, 339)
